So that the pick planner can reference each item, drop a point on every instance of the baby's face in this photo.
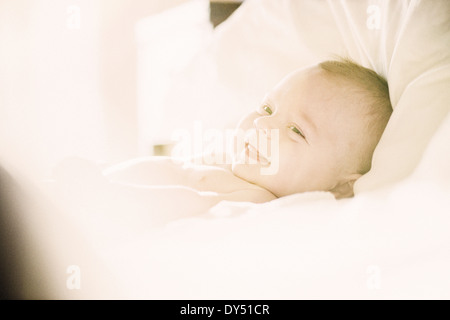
(316, 133)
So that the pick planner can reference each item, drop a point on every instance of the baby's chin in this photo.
(251, 174)
(247, 172)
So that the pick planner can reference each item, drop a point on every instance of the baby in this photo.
(328, 119)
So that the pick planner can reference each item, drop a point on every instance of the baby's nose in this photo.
(263, 125)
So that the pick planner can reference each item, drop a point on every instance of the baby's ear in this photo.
(345, 188)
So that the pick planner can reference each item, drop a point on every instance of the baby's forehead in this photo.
(315, 85)
(329, 101)
(315, 74)
(307, 82)
(314, 92)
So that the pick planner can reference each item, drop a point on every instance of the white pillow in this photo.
(434, 166)
(405, 41)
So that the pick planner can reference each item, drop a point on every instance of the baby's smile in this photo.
(255, 153)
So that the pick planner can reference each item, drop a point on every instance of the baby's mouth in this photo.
(252, 152)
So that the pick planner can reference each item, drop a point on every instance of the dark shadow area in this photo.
(220, 11)
(18, 278)
(9, 247)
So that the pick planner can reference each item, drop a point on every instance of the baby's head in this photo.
(328, 118)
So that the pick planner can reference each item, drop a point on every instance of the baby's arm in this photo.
(80, 184)
(158, 170)
(148, 171)
(167, 203)
(88, 188)
(163, 203)
(159, 203)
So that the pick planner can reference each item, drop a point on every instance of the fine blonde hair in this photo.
(376, 103)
